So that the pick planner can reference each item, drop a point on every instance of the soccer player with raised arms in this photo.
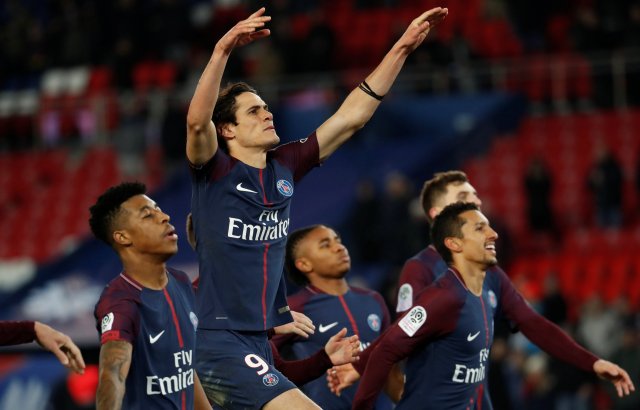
(242, 186)
(447, 334)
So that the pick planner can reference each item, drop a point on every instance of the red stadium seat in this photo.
(613, 285)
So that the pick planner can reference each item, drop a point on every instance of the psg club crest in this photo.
(270, 379)
(492, 299)
(374, 322)
(284, 187)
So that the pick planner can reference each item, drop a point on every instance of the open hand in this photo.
(301, 325)
(60, 345)
(616, 374)
(245, 31)
(420, 28)
(343, 350)
(341, 377)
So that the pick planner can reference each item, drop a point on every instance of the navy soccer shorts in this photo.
(236, 369)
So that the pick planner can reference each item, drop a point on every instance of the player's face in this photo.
(254, 127)
(478, 239)
(147, 228)
(324, 250)
(456, 192)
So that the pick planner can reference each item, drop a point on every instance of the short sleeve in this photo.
(117, 320)
(299, 156)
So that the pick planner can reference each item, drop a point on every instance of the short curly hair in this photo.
(293, 240)
(107, 208)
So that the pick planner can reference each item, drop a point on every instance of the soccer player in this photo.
(242, 187)
(423, 268)
(448, 333)
(338, 349)
(145, 316)
(61, 345)
(317, 260)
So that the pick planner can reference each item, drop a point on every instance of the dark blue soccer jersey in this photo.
(241, 220)
(418, 272)
(446, 337)
(161, 326)
(362, 312)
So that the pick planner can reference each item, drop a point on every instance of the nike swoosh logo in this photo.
(153, 339)
(240, 188)
(323, 329)
(470, 337)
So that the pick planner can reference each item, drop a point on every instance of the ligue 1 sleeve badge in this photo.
(284, 187)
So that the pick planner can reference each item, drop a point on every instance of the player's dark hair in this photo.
(226, 106)
(293, 240)
(436, 187)
(107, 208)
(449, 224)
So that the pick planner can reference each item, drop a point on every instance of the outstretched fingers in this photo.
(617, 375)
(433, 16)
(623, 383)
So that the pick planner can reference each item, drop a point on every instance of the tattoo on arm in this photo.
(115, 360)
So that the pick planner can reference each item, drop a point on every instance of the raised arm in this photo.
(115, 360)
(362, 102)
(201, 133)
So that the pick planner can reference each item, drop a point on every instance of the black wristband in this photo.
(367, 89)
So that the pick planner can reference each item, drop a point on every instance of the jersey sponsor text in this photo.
(176, 382)
(238, 229)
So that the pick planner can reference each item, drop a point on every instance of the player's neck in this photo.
(149, 275)
(472, 276)
(253, 157)
(336, 287)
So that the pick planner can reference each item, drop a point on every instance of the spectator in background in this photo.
(605, 183)
(554, 304)
(537, 183)
(599, 327)
(632, 42)
(318, 46)
(394, 217)
(366, 236)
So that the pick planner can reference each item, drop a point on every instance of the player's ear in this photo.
(304, 265)
(121, 238)
(226, 131)
(453, 244)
